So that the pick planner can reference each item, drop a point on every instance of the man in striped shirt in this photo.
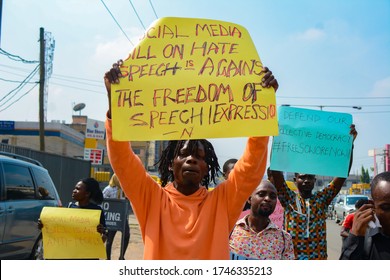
(305, 212)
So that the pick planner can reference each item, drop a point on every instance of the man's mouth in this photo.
(266, 206)
(190, 172)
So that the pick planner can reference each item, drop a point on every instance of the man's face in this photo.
(190, 167)
(305, 182)
(381, 197)
(263, 199)
(229, 169)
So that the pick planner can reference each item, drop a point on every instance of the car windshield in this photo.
(352, 200)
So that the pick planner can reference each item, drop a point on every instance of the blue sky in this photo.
(323, 53)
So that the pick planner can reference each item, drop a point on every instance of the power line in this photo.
(67, 78)
(13, 81)
(343, 106)
(98, 84)
(136, 13)
(19, 75)
(83, 89)
(376, 112)
(79, 82)
(77, 78)
(54, 75)
(19, 98)
(379, 105)
(358, 107)
(20, 86)
(16, 57)
(16, 68)
(117, 23)
(311, 97)
(150, 1)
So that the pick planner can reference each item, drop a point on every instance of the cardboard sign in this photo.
(189, 79)
(70, 233)
(312, 142)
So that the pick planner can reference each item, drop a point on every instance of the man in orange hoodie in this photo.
(181, 219)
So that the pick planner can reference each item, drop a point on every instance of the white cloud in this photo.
(311, 34)
(381, 88)
(113, 50)
(110, 51)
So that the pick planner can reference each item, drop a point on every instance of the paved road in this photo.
(333, 240)
(135, 249)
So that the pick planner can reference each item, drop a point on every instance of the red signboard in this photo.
(94, 155)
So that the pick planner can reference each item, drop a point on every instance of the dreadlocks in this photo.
(172, 151)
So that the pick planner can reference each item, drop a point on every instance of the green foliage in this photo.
(365, 176)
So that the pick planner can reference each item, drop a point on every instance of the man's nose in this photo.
(191, 159)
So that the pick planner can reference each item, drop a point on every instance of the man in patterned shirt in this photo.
(305, 213)
(255, 236)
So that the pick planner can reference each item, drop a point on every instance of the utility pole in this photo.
(42, 75)
(1, 17)
(47, 45)
(386, 158)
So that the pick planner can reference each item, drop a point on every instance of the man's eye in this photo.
(385, 207)
(201, 157)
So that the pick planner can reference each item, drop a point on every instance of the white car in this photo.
(345, 204)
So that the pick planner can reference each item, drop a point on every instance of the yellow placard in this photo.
(90, 143)
(70, 233)
(192, 78)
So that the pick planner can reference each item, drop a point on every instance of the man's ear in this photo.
(249, 200)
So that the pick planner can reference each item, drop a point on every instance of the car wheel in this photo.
(37, 252)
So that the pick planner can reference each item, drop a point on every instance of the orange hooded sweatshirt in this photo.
(194, 227)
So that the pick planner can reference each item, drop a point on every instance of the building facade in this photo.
(69, 140)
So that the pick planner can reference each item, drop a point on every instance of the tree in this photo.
(365, 176)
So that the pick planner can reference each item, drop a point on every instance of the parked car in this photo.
(345, 204)
(25, 188)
